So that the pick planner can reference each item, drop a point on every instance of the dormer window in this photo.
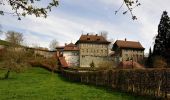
(88, 38)
(98, 39)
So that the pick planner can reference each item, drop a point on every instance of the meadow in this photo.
(40, 84)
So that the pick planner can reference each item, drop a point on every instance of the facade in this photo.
(93, 48)
(128, 51)
(71, 55)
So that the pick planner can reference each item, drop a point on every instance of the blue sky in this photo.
(73, 17)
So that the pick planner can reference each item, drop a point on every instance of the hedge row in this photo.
(153, 82)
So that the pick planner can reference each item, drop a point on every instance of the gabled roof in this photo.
(128, 44)
(71, 47)
(92, 39)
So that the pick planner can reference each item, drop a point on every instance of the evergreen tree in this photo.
(149, 61)
(162, 41)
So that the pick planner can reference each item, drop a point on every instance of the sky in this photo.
(72, 18)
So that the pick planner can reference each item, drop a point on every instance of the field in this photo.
(40, 84)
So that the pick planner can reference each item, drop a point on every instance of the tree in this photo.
(131, 4)
(162, 41)
(53, 44)
(149, 61)
(14, 59)
(92, 65)
(15, 56)
(15, 38)
(104, 34)
(27, 7)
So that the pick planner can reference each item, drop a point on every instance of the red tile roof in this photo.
(128, 44)
(92, 39)
(71, 47)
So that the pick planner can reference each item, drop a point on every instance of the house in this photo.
(71, 54)
(128, 51)
(92, 48)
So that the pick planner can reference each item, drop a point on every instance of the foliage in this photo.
(53, 44)
(39, 84)
(149, 61)
(162, 41)
(27, 7)
(153, 82)
(159, 62)
(131, 4)
(92, 65)
(14, 59)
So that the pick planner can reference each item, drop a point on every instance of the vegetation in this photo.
(39, 84)
(161, 50)
(53, 44)
(28, 7)
(5, 43)
(153, 82)
(14, 58)
(92, 65)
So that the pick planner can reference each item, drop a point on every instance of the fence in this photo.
(153, 82)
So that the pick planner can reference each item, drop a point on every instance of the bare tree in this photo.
(13, 60)
(104, 34)
(53, 44)
(15, 56)
(15, 38)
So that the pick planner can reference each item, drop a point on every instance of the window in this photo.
(88, 38)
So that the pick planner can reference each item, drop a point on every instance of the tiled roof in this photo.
(92, 39)
(128, 44)
(71, 47)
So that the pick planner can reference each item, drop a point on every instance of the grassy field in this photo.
(39, 84)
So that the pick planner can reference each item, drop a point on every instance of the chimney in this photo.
(125, 39)
(87, 33)
(96, 34)
(65, 44)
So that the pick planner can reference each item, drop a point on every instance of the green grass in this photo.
(39, 84)
(2, 42)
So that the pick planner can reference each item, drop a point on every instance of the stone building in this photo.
(128, 51)
(93, 48)
(71, 55)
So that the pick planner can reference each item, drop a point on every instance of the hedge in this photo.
(153, 82)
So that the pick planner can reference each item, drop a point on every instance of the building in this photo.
(92, 48)
(128, 51)
(71, 55)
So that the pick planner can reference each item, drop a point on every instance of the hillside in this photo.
(3, 42)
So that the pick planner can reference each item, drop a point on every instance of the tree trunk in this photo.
(7, 75)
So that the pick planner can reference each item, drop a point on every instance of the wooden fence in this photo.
(153, 82)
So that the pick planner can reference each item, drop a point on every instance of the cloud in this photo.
(67, 22)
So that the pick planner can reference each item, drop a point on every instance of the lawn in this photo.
(40, 84)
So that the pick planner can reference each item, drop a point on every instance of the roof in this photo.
(60, 47)
(71, 47)
(92, 39)
(128, 44)
(63, 62)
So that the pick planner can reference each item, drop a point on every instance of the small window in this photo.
(88, 38)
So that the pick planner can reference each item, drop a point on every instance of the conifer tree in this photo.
(162, 41)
